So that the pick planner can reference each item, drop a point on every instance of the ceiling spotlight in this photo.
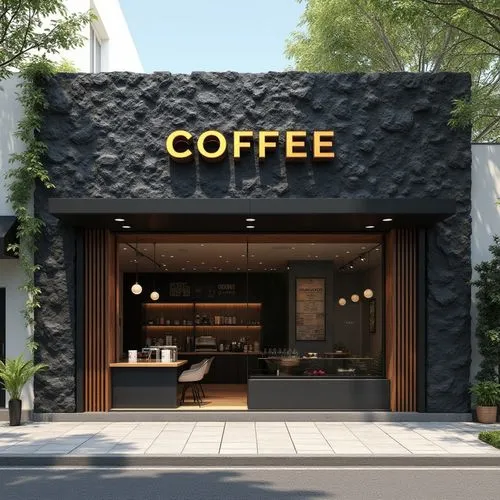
(119, 220)
(368, 293)
(369, 227)
(342, 301)
(155, 295)
(347, 251)
(202, 245)
(250, 227)
(249, 219)
(362, 259)
(351, 266)
(124, 248)
(163, 255)
(388, 219)
(126, 227)
(355, 297)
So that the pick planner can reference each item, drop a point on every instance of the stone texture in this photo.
(105, 135)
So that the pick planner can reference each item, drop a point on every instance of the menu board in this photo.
(310, 309)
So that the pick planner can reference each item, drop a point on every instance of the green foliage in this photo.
(16, 372)
(29, 169)
(486, 393)
(406, 35)
(488, 314)
(490, 437)
(30, 27)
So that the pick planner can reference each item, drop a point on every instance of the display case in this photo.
(319, 366)
(182, 322)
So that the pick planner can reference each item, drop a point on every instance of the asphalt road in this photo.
(261, 484)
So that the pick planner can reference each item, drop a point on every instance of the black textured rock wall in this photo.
(105, 135)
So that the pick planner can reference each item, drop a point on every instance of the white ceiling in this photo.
(232, 257)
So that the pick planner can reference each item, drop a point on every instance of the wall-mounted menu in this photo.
(310, 309)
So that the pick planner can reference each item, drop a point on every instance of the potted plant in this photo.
(487, 395)
(14, 374)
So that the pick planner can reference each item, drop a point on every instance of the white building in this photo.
(109, 46)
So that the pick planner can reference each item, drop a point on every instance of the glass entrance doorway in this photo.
(263, 307)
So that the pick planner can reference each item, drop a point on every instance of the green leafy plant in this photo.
(29, 170)
(487, 393)
(16, 372)
(488, 314)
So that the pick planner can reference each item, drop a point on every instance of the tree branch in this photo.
(14, 14)
(474, 35)
(487, 129)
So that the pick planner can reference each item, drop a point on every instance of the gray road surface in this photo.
(261, 484)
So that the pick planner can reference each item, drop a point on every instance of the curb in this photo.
(249, 461)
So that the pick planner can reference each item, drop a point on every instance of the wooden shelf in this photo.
(227, 326)
(168, 326)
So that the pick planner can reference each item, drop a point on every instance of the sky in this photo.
(212, 35)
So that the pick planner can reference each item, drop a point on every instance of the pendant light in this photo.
(355, 297)
(154, 294)
(136, 288)
(342, 301)
(368, 293)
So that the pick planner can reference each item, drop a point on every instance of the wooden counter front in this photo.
(148, 364)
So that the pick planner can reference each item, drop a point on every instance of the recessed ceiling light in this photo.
(126, 227)
(237, 269)
(369, 227)
(377, 249)
(171, 256)
(202, 245)
(249, 219)
(293, 248)
(119, 220)
(183, 268)
(227, 262)
(252, 255)
(124, 248)
(202, 263)
(316, 256)
(260, 263)
(362, 248)
(163, 255)
(145, 249)
(220, 256)
(388, 219)
(347, 251)
(337, 256)
(243, 255)
(313, 243)
(250, 227)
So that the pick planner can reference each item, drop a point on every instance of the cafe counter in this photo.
(145, 384)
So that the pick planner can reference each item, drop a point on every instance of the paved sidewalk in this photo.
(259, 439)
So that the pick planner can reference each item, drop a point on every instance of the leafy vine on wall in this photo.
(28, 170)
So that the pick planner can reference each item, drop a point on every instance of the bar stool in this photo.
(191, 379)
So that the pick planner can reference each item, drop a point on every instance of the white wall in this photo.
(11, 274)
(485, 218)
(118, 49)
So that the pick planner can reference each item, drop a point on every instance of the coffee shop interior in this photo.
(251, 307)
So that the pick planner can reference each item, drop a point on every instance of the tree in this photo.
(402, 35)
(31, 27)
(488, 314)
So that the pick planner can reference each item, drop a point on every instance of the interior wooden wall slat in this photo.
(401, 318)
(99, 317)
